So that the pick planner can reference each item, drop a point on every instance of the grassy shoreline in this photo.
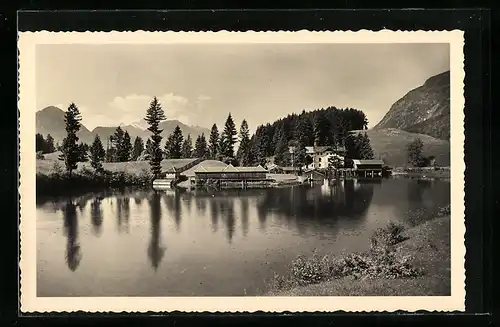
(417, 264)
(425, 172)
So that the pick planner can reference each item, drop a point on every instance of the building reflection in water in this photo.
(73, 251)
(156, 250)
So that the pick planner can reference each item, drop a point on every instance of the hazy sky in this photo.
(199, 84)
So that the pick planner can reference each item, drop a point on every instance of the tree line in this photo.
(285, 139)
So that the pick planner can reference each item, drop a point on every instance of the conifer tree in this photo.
(39, 143)
(173, 147)
(49, 144)
(138, 148)
(243, 153)
(126, 153)
(97, 154)
(281, 154)
(187, 147)
(213, 142)
(200, 148)
(71, 152)
(154, 115)
(230, 136)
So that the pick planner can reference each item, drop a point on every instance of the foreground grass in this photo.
(413, 262)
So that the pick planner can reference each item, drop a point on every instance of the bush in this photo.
(389, 235)
(380, 261)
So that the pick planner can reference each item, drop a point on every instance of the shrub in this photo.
(389, 235)
(380, 261)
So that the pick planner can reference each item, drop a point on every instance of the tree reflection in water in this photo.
(73, 250)
(96, 215)
(156, 250)
(244, 215)
(123, 212)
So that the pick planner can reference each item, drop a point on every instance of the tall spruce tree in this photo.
(126, 148)
(230, 134)
(39, 143)
(154, 115)
(149, 148)
(71, 152)
(187, 147)
(322, 129)
(173, 147)
(49, 144)
(243, 153)
(200, 147)
(138, 148)
(213, 142)
(366, 151)
(97, 154)
(281, 154)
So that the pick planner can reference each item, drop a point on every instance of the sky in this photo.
(200, 84)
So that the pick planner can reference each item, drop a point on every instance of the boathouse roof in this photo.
(229, 169)
(368, 162)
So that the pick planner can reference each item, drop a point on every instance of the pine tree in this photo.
(300, 158)
(39, 143)
(173, 147)
(126, 148)
(83, 150)
(138, 148)
(366, 151)
(213, 142)
(97, 154)
(154, 115)
(149, 148)
(230, 136)
(49, 144)
(187, 147)
(221, 147)
(322, 129)
(243, 153)
(200, 148)
(281, 154)
(70, 150)
(304, 132)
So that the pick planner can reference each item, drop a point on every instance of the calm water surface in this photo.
(175, 243)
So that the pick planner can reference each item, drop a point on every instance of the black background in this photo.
(478, 141)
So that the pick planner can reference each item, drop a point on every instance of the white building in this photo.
(321, 154)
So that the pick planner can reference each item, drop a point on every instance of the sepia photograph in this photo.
(218, 169)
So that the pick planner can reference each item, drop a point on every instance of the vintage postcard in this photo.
(241, 171)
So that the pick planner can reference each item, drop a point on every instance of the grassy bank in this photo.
(424, 172)
(55, 180)
(413, 262)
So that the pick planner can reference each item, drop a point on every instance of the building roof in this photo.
(202, 165)
(176, 165)
(321, 148)
(368, 162)
(230, 169)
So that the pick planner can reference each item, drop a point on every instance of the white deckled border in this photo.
(31, 303)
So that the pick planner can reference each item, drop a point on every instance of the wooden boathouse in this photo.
(172, 170)
(230, 176)
(368, 168)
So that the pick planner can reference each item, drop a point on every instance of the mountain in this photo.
(389, 144)
(50, 120)
(424, 110)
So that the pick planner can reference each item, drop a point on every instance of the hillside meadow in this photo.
(390, 145)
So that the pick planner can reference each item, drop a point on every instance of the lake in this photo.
(227, 243)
